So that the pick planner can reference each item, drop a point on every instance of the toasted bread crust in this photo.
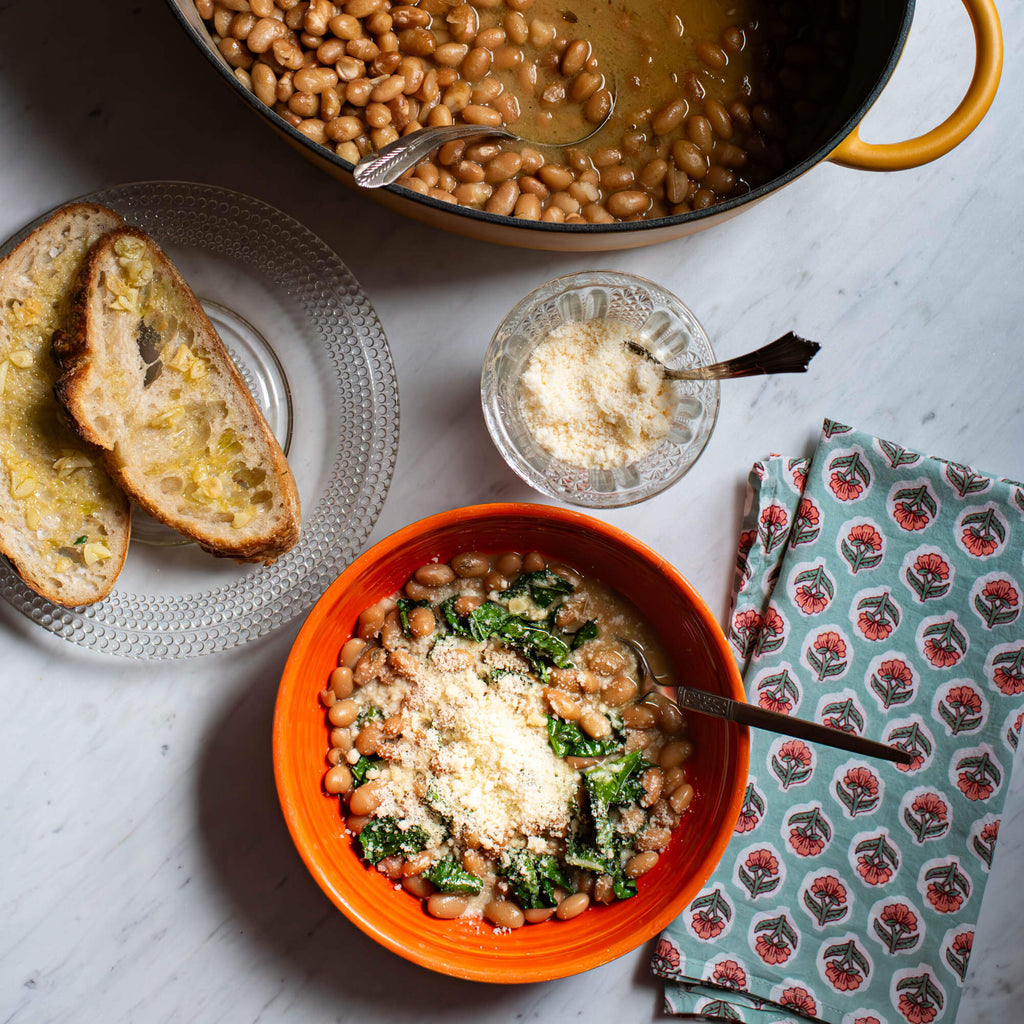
(105, 389)
(56, 500)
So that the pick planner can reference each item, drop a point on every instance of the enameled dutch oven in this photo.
(882, 33)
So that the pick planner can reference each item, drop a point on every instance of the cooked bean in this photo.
(369, 739)
(421, 622)
(651, 781)
(653, 838)
(471, 564)
(619, 691)
(675, 753)
(391, 631)
(451, 55)
(475, 863)
(419, 887)
(366, 799)
(572, 906)
(597, 107)
(447, 906)
(537, 915)
(589, 683)
(369, 666)
(416, 591)
(504, 914)
(594, 724)
(680, 799)
(344, 712)
(434, 574)
(356, 823)
(615, 179)
(472, 193)
(328, 698)
(728, 155)
(672, 720)
(467, 603)
(640, 864)
(712, 55)
(503, 199)
(342, 739)
(698, 131)
(528, 206)
(604, 889)
(463, 23)
(689, 158)
(475, 113)
(669, 117)
(605, 658)
(574, 58)
(639, 716)
(562, 704)
(341, 682)
(476, 64)
(338, 779)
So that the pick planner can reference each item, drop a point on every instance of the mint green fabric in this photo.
(878, 591)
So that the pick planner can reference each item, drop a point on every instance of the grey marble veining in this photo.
(147, 873)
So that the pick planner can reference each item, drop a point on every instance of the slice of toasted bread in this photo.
(147, 379)
(64, 524)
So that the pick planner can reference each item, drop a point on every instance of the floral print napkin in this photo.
(878, 591)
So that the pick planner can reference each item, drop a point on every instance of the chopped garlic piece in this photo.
(181, 360)
(243, 518)
(23, 481)
(4, 367)
(66, 465)
(197, 370)
(22, 358)
(28, 313)
(169, 418)
(32, 518)
(96, 551)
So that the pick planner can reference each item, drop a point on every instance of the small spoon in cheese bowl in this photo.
(788, 354)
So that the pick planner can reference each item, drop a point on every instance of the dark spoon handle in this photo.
(788, 354)
(705, 703)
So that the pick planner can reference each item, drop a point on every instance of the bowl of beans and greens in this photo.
(703, 106)
(470, 762)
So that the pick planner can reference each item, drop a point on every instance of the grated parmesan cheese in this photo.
(590, 401)
(483, 746)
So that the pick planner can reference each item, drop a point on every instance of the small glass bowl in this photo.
(673, 335)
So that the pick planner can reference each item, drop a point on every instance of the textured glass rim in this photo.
(546, 481)
(147, 626)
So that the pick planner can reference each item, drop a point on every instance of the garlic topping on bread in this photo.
(147, 379)
(64, 524)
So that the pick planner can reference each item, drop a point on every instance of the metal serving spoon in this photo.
(788, 354)
(716, 706)
(390, 162)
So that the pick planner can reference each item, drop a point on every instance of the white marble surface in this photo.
(146, 871)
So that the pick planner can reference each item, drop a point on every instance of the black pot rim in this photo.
(543, 227)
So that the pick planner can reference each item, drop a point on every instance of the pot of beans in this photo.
(688, 111)
(473, 765)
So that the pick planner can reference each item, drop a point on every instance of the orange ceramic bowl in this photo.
(469, 949)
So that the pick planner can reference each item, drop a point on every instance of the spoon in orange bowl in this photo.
(730, 710)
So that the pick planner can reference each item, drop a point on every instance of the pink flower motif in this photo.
(964, 697)
(729, 974)
(780, 704)
(865, 536)
(831, 643)
(866, 1020)
(771, 953)
(990, 833)
(963, 943)
(804, 845)
(872, 628)
(810, 601)
(799, 479)
(666, 956)
(916, 1013)
(1001, 592)
(800, 999)
(795, 750)
(829, 886)
(773, 622)
(978, 544)
(932, 565)
(747, 539)
(899, 915)
(706, 926)
(762, 860)
(939, 656)
(844, 978)
(747, 621)
(843, 489)
(874, 872)
(973, 789)
(945, 901)
(862, 779)
(909, 517)
(931, 804)
(746, 822)
(774, 515)
(1007, 682)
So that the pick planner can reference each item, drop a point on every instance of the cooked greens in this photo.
(382, 837)
(533, 878)
(447, 876)
(568, 740)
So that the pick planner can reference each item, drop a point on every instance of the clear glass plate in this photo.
(313, 352)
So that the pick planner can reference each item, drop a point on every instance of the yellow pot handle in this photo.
(853, 151)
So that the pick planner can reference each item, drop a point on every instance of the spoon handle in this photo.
(713, 704)
(788, 354)
(389, 163)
